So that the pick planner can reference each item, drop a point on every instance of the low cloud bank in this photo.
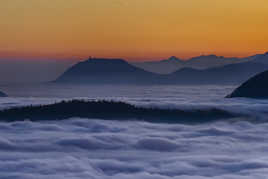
(97, 149)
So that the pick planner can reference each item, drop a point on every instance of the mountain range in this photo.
(119, 71)
(201, 62)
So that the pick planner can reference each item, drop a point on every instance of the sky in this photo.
(132, 29)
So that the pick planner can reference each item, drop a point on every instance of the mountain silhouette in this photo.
(201, 62)
(260, 58)
(163, 66)
(99, 71)
(255, 87)
(118, 71)
(210, 61)
(172, 59)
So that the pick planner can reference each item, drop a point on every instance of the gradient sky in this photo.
(132, 29)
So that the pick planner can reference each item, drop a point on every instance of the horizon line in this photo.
(126, 58)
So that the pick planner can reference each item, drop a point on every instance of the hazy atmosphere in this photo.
(40, 38)
(133, 89)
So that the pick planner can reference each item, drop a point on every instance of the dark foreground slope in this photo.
(255, 87)
(2, 94)
(106, 71)
(110, 110)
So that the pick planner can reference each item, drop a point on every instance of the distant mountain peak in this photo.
(173, 58)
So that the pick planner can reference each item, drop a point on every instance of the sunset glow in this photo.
(132, 29)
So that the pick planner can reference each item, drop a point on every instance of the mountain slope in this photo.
(260, 58)
(228, 74)
(163, 66)
(210, 61)
(2, 94)
(255, 87)
(201, 62)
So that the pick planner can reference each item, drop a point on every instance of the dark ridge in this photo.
(110, 110)
(255, 87)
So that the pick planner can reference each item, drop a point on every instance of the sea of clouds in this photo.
(97, 149)
(163, 96)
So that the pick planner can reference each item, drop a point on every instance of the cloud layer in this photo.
(82, 148)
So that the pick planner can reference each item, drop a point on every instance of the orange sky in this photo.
(132, 29)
